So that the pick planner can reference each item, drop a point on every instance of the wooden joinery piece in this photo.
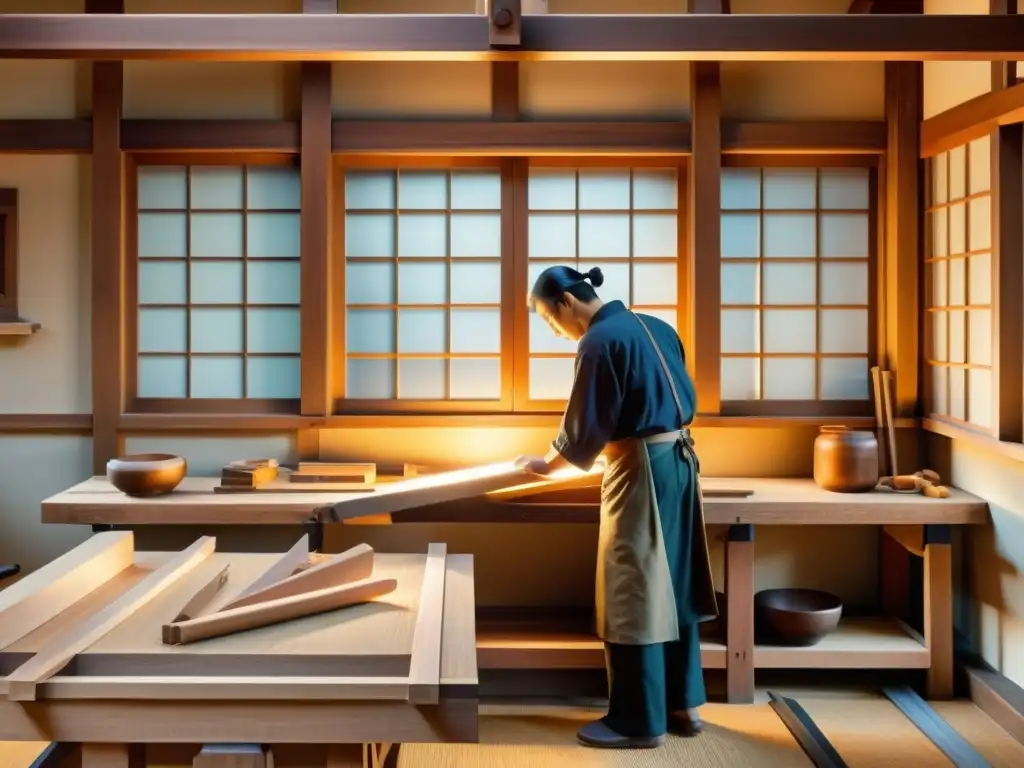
(276, 611)
(283, 569)
(65, 646)
(351, 565)
(505, 28)
(28, 604)
(202, 598)
(425, 662)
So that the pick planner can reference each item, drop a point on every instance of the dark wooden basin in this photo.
(796, 617)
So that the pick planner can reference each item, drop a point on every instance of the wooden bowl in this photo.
(146, 474)
(797, 617)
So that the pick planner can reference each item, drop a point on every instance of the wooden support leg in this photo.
(739, 593)
(894, 576)
(233, 756)
(105, 756)
(938, 609)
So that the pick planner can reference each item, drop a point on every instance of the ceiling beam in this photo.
(700, 37)
(886, 6)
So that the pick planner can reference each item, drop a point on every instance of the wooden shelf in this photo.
(18, 328)
(856, 644)
(536, 647)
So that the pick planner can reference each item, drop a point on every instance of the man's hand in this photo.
(536, 465)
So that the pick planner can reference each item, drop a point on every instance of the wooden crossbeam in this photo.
(433, 37)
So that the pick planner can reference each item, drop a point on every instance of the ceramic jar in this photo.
(845, 460)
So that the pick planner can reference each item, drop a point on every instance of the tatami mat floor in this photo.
(866, 729)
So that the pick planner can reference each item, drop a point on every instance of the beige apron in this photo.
(635, 600)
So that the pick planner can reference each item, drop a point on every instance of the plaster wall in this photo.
(49, 372)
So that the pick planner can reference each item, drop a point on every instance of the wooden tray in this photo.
(388, 649)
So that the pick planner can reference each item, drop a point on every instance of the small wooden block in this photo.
(233, 756)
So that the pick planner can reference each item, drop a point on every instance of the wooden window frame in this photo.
(185, 405)
(1006, 253)
(523, 403)
(9, 255)
(343, 406)
(818, 408)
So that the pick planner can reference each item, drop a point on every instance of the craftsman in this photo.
(633, 400)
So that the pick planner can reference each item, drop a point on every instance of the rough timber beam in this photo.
(701, 37)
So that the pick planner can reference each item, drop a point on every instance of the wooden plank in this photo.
(202, 598)
(433, 489)
(695, 37)
(40, 596)
(352, 565)
(510, 138)
(459, 634)
(281, 570)
(237, 688)
(425, 662)
(23, 681)
(269, 612)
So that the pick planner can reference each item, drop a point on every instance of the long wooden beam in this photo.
(480, 137)
(972, 119)
(692, 37)
(511, 138)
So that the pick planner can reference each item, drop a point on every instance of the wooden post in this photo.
(105, 756)
(938, 610)
(107, 236)
(233, 756)
(705, 233)
(901, 216)
(315, 254)
(739, 597)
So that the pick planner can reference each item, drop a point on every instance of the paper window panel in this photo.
(959, 264)
(213, 241)
(797, 245)
(623, 220)
(423, 283)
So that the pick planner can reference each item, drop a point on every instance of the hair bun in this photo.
(596, 276)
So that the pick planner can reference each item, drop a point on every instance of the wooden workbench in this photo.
(773, 502)
(341, 677)
(919, 525)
